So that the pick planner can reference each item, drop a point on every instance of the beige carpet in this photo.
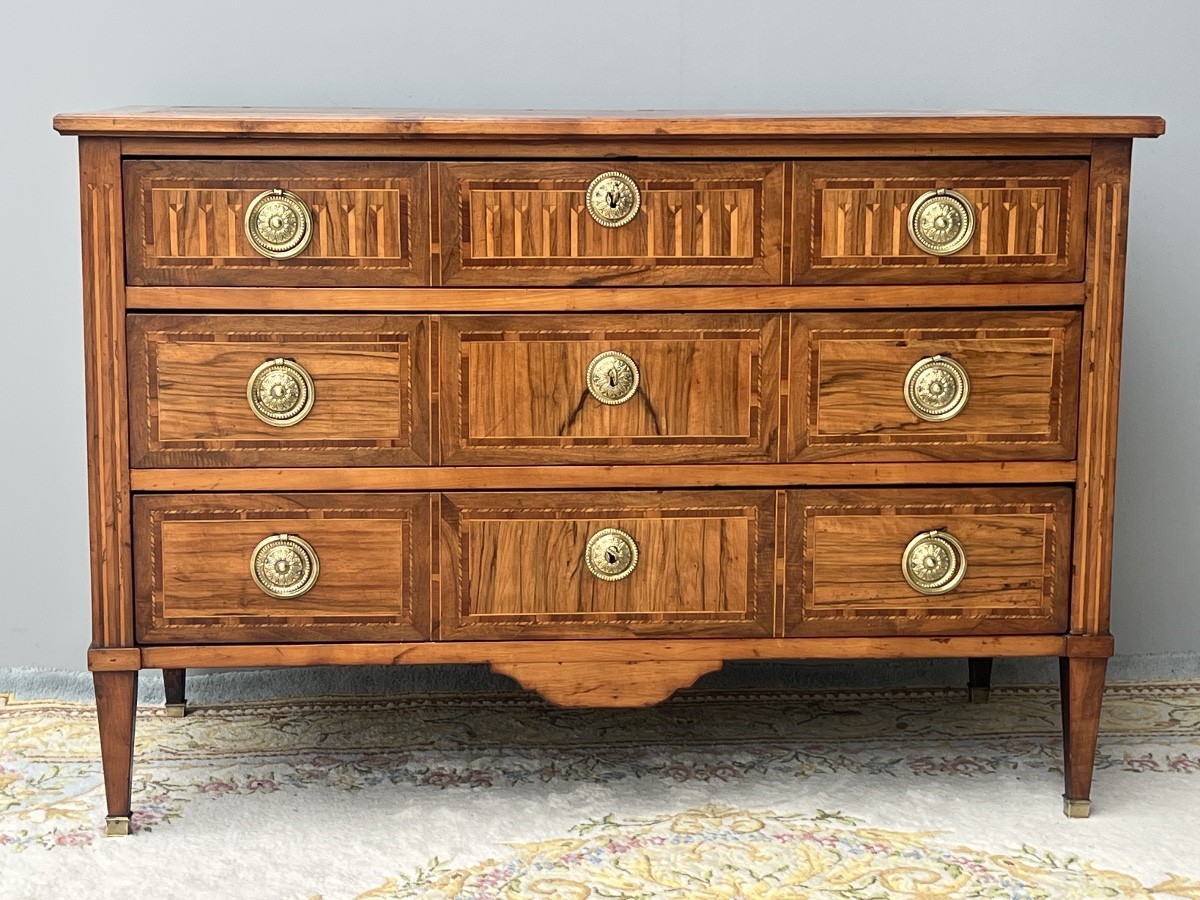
(712, 795)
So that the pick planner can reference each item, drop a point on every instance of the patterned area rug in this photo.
(711, 795)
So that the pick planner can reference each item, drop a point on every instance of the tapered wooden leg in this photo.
(979, 678)
(1082, 690)
(116, 702)
(174, 686)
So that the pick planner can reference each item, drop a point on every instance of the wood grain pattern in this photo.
(513, 565)
(848, 373)
(619, 650)
(185, 222)
(526, 223)
(194, 554)
(514, 389)
(317, 122)
(107, 411)
(187, 390)
(845, 549)
(1030, 221)
(602, 299)
(551, 477)
(1100, 388)
(628, 683)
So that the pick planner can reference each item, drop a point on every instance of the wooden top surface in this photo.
(166, 121)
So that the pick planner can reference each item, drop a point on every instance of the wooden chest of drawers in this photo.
(600, 401)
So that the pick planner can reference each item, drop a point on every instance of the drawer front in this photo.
(517, 565)
(528, 223)
(194, 554)
(847, 551)
(196, 381)
(185, 222)
(516, 389)
(852, 221)
(878, 386)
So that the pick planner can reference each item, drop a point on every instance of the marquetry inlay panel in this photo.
(186, 222)
(193, 557)
(515, 389)
(844, 552)
(188, 390)
(852, 219)
(848, 375)
(699, 223)
(515, 564)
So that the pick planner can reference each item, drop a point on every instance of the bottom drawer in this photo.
(281, 567)
(608, 564)
(916, 561)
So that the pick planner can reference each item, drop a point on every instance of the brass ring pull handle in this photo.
(941, 222)
(281, 392)
(934, 562)
(278, 224)
(612, 377)
(284, 566)
(611, 554)
(613, 199)
(936, 388)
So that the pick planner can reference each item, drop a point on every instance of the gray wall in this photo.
(1103, 56)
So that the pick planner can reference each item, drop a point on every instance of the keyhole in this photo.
(612, 377)
(613, 199)
(612, 556)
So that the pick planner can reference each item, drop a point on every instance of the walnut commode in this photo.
(600, 401)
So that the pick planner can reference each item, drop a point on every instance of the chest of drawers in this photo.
(602, 401)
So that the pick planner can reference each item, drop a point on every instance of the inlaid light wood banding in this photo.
(852, 221)
(188, 394)
(193, 567)
(848, 373)
(186, 222)
(845, 549)
(515, 565)
(515, 388)
(527, 223)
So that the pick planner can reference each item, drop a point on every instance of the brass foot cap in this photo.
(116, 826)
(175, 710)
(1076, 809)
(979, 694)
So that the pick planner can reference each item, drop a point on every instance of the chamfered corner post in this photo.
(116, 704)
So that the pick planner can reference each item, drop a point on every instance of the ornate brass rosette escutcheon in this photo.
(281, 392)
(934, 562)
(284, 566)
(936, 388)
(941, 222)
(612, 377)
(611, 554)
(278, 224)
(613, 199)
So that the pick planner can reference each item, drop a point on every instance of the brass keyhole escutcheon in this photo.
(612, 377)
(934, 562)
(613, 199)
(936, 388)
(284, 566)
(941, 222)
(611, 554)
(278, 224)
(281, 392)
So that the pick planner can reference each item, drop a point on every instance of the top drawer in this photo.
(352, 223)
(1010, 220)
(688, 223)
